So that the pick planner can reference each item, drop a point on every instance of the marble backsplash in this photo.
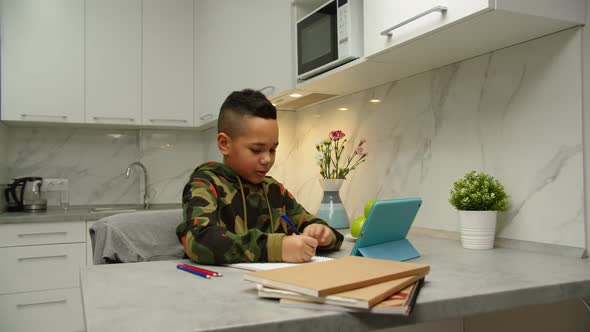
(515, 113)
(95, 161)
(3, 163)
(3, 153)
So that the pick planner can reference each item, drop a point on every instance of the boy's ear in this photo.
(224, 143)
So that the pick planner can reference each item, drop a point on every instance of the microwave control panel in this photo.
(343, 28)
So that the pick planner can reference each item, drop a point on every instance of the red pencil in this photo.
(198, 269)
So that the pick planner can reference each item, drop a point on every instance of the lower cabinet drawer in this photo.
(34, 268)
(57, 310)
(28, 234)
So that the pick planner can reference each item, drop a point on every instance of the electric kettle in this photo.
(24, 194)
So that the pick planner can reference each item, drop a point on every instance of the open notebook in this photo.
(271, 266)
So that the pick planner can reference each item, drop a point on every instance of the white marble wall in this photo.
(586, 117)
(170, 157)
(3, 163)
(95, 161)
(515, 113)
(3, 153)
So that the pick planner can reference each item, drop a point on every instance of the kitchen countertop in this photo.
(77, 213)
(155, 296)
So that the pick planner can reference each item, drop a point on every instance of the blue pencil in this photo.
(180, 267)
(290, 224)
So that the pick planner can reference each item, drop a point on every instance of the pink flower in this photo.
(336, 135)
(331, 152)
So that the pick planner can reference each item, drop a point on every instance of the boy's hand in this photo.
(320, 232)
(298, 248)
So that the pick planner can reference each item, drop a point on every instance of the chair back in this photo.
(136, 237)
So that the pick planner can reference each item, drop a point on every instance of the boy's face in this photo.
(251, 154)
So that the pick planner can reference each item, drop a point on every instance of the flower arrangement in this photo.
(478, 192)
(329, 153)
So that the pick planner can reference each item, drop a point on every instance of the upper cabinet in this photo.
(167, 63)
(242, 44)
(140, 62)
(42, 60)
(465, 28)
(113, 61)
(392, 22)
(403, 38)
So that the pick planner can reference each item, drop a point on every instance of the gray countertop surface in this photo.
(77, 213)
(155, 296)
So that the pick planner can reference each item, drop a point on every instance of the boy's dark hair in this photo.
(241, 104)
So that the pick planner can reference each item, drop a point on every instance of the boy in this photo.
(232, 212)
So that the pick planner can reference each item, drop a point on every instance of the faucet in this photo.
(146, 196)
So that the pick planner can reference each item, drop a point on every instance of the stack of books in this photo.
(352, 283)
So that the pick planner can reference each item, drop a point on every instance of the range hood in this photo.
(295, 99)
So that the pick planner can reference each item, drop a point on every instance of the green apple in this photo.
(357, 225)
(368, 206)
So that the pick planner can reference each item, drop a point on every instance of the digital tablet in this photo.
(383, 234)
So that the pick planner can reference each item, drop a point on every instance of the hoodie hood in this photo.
(220, 170)
(225, 172)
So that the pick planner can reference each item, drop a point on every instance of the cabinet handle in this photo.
(42, 234)
(23, 305)
(27, 115)
(98, 118)
(168, 120)
(22, 259)
(439, 8)
(206, 116)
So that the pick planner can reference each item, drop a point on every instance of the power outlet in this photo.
(55, 184)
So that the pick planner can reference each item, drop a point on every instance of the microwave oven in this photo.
(328, 37)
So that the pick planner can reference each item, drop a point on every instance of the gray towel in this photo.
(136, 237)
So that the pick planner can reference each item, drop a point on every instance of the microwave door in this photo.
(317, 39)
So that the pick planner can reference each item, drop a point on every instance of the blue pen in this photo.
(180, 267)
(290, 224)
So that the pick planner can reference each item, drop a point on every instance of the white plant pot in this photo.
(478, 229)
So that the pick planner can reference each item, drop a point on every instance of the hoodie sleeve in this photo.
(302, 219)
(206, 239)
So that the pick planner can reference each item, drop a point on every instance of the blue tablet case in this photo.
(383, 234)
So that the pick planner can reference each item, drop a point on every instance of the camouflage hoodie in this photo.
(227, 219)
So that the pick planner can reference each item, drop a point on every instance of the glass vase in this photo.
(331, 209)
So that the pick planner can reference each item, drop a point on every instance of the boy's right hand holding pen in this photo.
(297, 248)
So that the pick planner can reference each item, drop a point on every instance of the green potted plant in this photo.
(478, 197)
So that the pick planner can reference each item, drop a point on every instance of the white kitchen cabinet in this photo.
(42, 60)
(167, 63)
(470, 28)
(240, 44)
(113, 62)
(59, 263)
(58, 310)
(30, 234)
(381, 15)
(40, 276)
